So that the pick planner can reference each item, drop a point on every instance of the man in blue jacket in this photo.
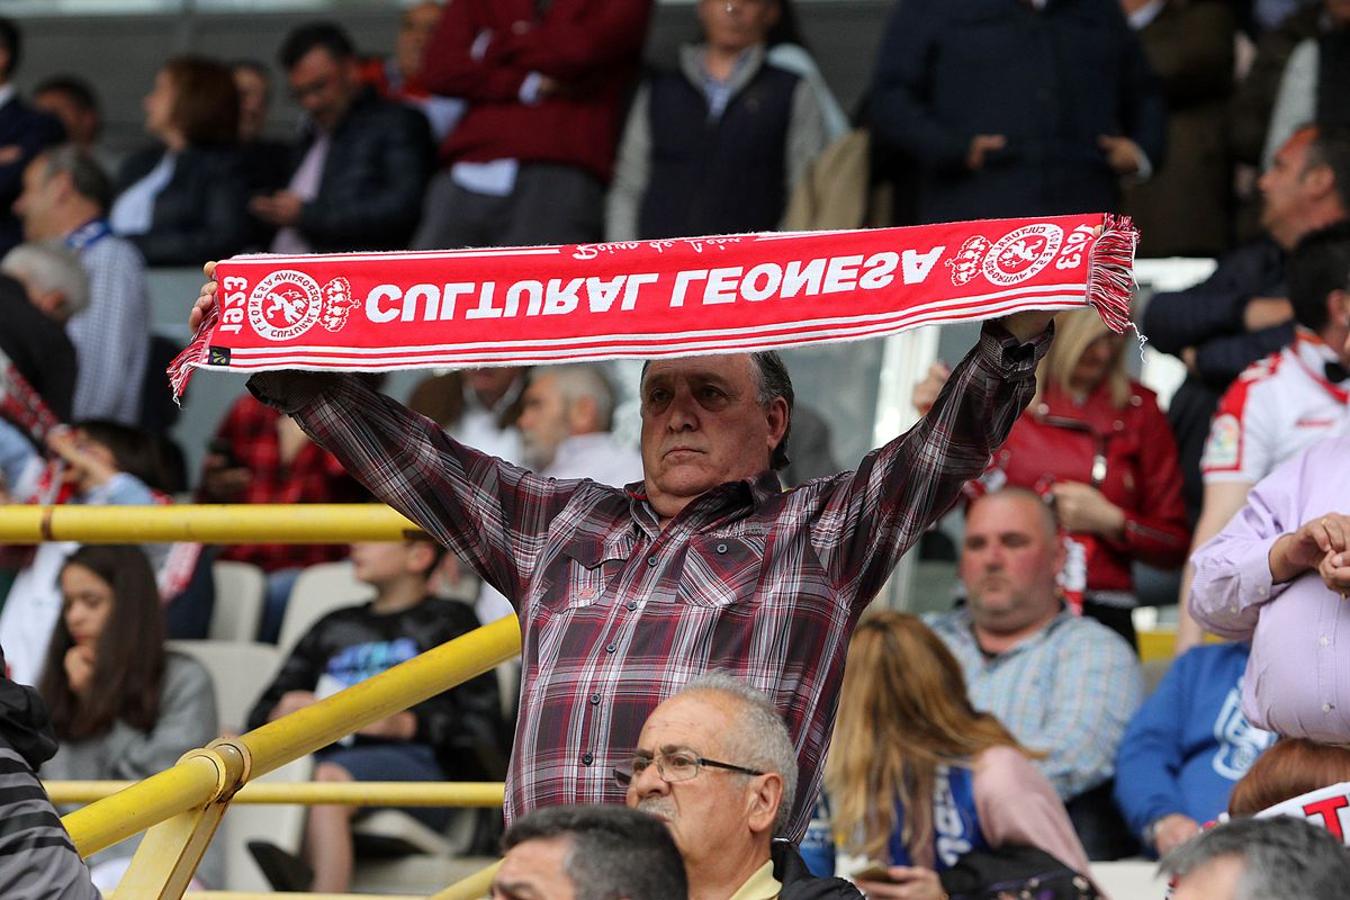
(1186, 747)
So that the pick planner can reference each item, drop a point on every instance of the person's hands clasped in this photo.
(1306, 549)
(907, 883)
(1335, 571)
(1123, 155)
(1082, 508)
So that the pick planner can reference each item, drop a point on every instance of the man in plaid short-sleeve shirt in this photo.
(625, 594)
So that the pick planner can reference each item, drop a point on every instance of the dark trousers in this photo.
(550, 204)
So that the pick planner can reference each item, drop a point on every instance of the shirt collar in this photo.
(1143, 17)
(6, 93)
(967, 629)
(731, 498)
(759, 886)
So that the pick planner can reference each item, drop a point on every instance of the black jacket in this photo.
(202, 212)
(1051, 82)
(38, 347)
(370, 195)
(24, 133)
(798, 882)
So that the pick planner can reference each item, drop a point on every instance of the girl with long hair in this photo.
(121, 706)
(917, 777)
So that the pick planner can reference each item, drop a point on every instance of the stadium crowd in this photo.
(694, 599)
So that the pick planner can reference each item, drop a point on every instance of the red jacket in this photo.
(1055, 440)
(592, 47)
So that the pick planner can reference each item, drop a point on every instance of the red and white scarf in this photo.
(678, 297)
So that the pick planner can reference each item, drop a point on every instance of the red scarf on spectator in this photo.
(645, 299)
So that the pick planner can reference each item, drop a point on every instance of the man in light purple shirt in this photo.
(1278, 575)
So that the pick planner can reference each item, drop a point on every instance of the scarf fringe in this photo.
(1110, 280)
(194, 354)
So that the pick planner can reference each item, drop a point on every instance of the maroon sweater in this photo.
(591, 47)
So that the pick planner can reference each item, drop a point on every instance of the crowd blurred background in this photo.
(133, 148)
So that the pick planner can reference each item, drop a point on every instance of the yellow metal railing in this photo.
(182, 806)
(486, 794)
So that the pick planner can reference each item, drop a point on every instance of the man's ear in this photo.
(777, 415)
(766, 794)
(1338, 307)
(581, 416)
(1319, 179)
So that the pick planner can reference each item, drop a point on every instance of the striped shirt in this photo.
(617, 612)
(1068, 691)
(37, 859)
(112, 335)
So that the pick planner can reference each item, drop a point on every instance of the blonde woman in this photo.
(917, 777)
(1095, 444)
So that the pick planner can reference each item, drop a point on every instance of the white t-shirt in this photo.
(1277, 407)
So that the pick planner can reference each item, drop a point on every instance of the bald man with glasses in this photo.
(715, 763)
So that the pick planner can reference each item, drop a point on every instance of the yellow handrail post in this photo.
(171, 851)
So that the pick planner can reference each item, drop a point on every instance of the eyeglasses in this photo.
(679, 765)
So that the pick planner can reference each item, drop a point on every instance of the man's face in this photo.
(324, 86)
(418, 25)
(708, 814)
(1338, 11)
(535, 870)
(733, 25)
(1285, 192)
(1215, 880)
(37, 205)
(1009, 562)
(703, 425)
(543, 421)
(81, 123)
(491, 384)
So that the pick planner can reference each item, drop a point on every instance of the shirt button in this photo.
(651, 562)
(1323, 640)
(610, 648)
(632, 605)
(1326, 707)
(595, 699)
(721, 548)
(587, 759)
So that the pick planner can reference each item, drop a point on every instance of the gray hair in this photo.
(577, 381)
(614, 853)
(1282, 857)
(50, 266)
(86, 174)
(759, 739)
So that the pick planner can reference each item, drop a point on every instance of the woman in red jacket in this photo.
(1094, 443)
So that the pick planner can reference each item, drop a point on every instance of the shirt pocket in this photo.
(720, 571)
(581, 575)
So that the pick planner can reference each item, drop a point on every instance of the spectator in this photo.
(917, 778)
(1063, 685)
(399, 77)
(1291, 768)
(122, 707)
(717, 146)
(39, 861)
(1241, 312)
(565, 421)
(96, 464)
(1256, 94)
(44, 285)
(720, 567)
(583, 852)
(1011, 109)
(1186, 748)
(362, 163)
(24, 133)
(716, 764)
(478, 407)
(182, 200)
(1185, 208)
(1095, 444)
(265, 162)
(1260, 859)
(74, 101)
(545, 86)
(1289, 400)
(261, 456)
(65, 197)
(454, 736)
(1277, 575)
(1313, 80)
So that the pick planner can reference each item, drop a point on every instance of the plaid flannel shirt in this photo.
(617, 613)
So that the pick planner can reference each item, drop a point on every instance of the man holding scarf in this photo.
(624, 595)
